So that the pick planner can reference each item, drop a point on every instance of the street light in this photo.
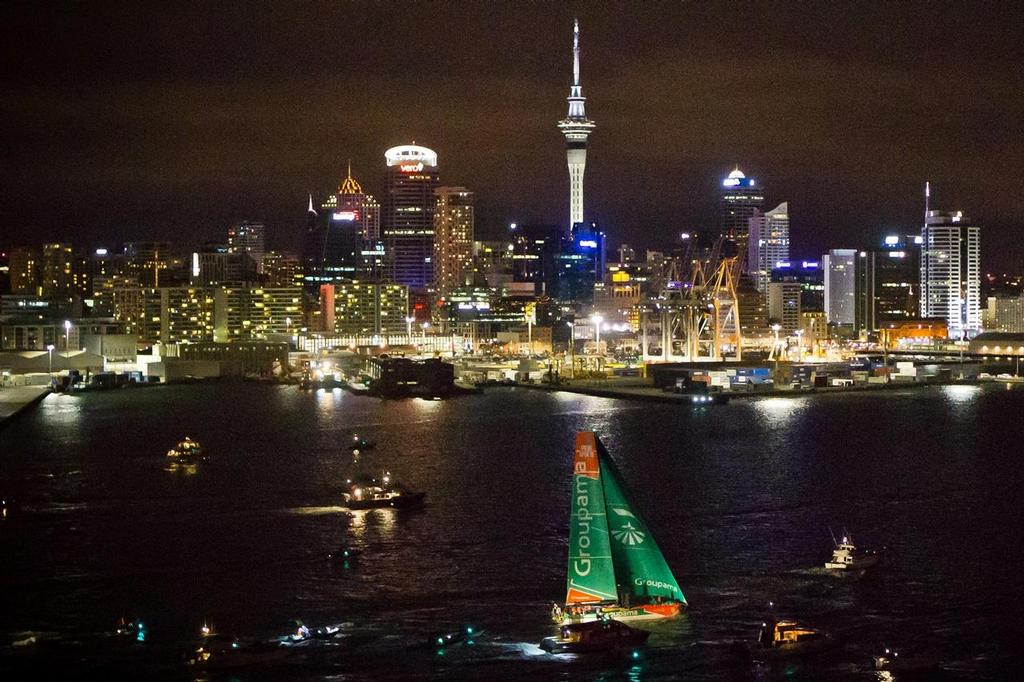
(67, 333)
(597, 320)
(49, 352)
(408, 327)
(572, 346)
(775, 349)
(799, 345)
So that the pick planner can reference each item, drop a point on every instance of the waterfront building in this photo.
(453, 238)
(243, 313)
(951, 272)
(784, 305)
(576, 128)
(840, 270)
(740, 197)
(887, 284)
(753, 309)
(364, 308)
(408, 219)
(811, 278)
(1005, 314)
(768, 243)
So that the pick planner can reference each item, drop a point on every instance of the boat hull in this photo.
(647, 612)
(859, 564)
(405, 501)
(555, 645)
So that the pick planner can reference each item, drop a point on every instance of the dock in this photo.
(15, 399)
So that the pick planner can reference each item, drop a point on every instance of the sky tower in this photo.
(576, 127)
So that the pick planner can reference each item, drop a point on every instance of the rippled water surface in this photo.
(741, 498)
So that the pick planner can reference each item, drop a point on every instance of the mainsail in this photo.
(591, 576)
(612, 553)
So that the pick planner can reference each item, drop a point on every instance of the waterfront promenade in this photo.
(14, 399)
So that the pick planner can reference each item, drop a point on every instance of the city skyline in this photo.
(679, 109)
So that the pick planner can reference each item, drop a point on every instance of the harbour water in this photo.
(741, 498)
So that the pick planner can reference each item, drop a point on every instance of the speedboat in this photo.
(782, 638)
(186, 451)
(344, 554)
(907, 660)
(846, 556)
(595, 636)
(365, 492)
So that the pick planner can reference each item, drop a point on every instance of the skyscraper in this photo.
(768, 244)
(350, 221)
(840, 266)
(453, 238)
(887, 284)
(249, 237)
(409, 205)
(740, 198)
(951, 272)
(576, 127)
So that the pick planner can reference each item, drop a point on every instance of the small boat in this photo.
(466, 634)
(596, 636)
(908, 660)
(359, 443)
(303, 634)
(344, 554)
(216, 652)
(615, 568)
(846, 556)
(783, 638)
(365, 492)
(187, 450)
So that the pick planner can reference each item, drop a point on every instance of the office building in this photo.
(768, 244)
(1005, 314)
(840, 270)
(951, 272)
(887, 284)
(24, 267)
(784, 305)
(249, 237)
(739, 199)
(57, 263)
(408, 219)
(355, 308)
(453, 239)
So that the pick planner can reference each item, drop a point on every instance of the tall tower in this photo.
(408, 217)
(576, 127)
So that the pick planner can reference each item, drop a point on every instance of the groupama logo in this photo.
(628, 534)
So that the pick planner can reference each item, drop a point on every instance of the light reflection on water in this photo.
(777, 412)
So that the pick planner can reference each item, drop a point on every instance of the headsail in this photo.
(640, 567)
(591, 575)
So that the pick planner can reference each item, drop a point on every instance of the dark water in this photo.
(740, 497)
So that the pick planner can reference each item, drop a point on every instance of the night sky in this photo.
(129, 121)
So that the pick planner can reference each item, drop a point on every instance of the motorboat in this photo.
(615, 568)
(305, 635)
(366, 492)
(344, 554)
(597, 636)
(846, 556)
(187, 450)
(779, 638)
(907, 660)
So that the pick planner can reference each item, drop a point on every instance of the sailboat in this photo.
(615, 567)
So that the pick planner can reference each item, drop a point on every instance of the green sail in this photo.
(591, 575)
(639, 564)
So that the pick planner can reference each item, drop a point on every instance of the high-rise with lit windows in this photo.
(408, 217)
(453, 238)
(951, 272)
